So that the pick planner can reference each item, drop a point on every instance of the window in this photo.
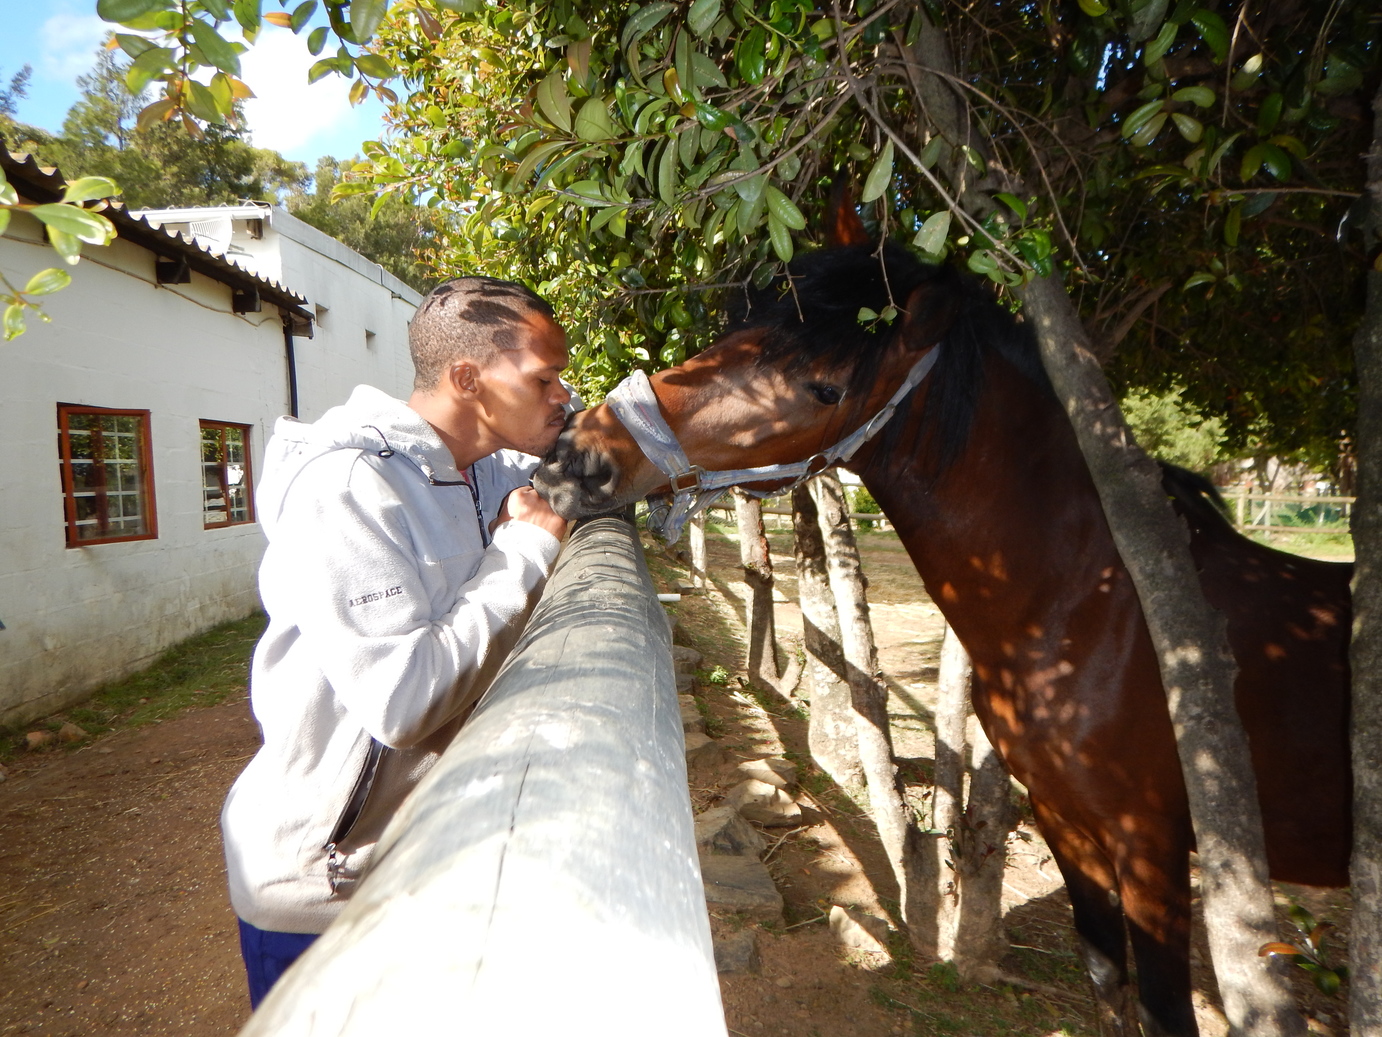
(227, 491)
(107, 474)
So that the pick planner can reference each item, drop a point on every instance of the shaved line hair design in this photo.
(468, 318)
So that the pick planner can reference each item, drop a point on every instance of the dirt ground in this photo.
(114, 918)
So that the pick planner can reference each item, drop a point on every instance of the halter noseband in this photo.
(693, 488)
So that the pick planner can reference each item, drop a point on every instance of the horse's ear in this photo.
(842, 223)
(930, 310)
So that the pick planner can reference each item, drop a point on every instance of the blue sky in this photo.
(60, 37)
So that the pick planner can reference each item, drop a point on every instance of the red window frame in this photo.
(145, 473)
(223, 473)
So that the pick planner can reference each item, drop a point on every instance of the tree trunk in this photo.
(830, 732)
(1197, 671)
(1365, 945)
(970, 916)
(758, 575)
(696, 536)
(897, 829)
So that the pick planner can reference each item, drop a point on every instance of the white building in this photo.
(135, 421)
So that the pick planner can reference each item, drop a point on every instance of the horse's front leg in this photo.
(1091, 884)
(1154, 884)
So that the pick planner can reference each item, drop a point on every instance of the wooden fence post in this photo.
(543, 877)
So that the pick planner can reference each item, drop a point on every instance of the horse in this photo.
(980, 474)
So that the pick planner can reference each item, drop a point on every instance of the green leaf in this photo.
(1158, 47)
(709, 115)
(133, 45)
(931, 237)
(707, 71)
(667, 173)
(1140, 117)
(145, 67)
(1093, 8)
(1233, 224)
(1247, 74)
(702, 16)
(553, 100)
(879, 176)
(1148, 132)
(14, 321)
(589, 192)
(781, 208)
(1213, 31)
(593, 121)
(301, 14)
(865, 315)
(750, 55)
(642, 21)
(1014, 203)
(321, 69)
(46, 282)
(247, 14)
(218, 9)
(66, 245)
(1200, 96)
(1276, 160)
(375, 66)
(932, 152)
(1189, 127)
(4, 220)
(202, 102)
(1252, 162)
(1269, 114)
(216, 48)
(316, 40)
(126, 10)
(82, 224)
(606, 215)
(751, 188)
(779, 236)
(1198, 279)
(365, 16)
(1146, 18)
(89, 187)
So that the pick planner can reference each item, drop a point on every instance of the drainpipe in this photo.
(291, 358)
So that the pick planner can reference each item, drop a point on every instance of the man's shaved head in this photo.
(469, 318)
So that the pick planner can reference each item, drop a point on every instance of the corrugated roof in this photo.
(43, 184)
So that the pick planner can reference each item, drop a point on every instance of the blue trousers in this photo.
(267, 956)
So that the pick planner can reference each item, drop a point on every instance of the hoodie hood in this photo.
(370, 421)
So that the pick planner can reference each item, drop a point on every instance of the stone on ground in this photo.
(691, 719)
(859, 931)
(72, 733)
(740, 885)
(38, 739)
(685, 682)
(702, 751)
(772, 770)
(686, 660)
(764, 803)
(737, 953)
(722, 830)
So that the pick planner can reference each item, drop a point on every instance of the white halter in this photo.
(693, 488)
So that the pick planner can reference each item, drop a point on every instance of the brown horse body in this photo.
(1001, 519)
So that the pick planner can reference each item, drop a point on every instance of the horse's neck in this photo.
(1013, 520)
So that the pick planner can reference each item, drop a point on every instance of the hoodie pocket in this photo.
(350, 814)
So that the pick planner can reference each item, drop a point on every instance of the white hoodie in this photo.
(388, 616)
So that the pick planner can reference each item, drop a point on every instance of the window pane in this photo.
(106, 475)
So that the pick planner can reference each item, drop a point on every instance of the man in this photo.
(406, 548)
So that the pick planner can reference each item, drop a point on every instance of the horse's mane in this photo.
(812, 319)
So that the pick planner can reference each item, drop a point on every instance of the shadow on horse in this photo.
(980, 474)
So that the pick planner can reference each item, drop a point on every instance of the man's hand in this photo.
(524, 505)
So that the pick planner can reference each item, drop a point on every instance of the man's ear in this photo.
(463, 376)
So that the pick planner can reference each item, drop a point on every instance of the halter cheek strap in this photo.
(693, 488)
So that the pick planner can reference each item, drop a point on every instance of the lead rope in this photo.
(693, 489)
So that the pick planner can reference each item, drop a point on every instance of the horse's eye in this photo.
(827, 394)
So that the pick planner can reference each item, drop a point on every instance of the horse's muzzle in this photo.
(575, 481)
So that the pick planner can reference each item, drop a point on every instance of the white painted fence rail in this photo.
(543, 878)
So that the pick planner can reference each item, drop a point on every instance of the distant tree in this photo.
(1173, 430)
(160, 165)
(18, 88)
(397, 236)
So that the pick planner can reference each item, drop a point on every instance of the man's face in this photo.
(519, 391)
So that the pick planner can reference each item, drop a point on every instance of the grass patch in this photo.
(201, 671)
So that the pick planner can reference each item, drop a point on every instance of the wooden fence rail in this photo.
(543, 878)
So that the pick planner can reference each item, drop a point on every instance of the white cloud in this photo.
(69, 44)
(303, 121)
